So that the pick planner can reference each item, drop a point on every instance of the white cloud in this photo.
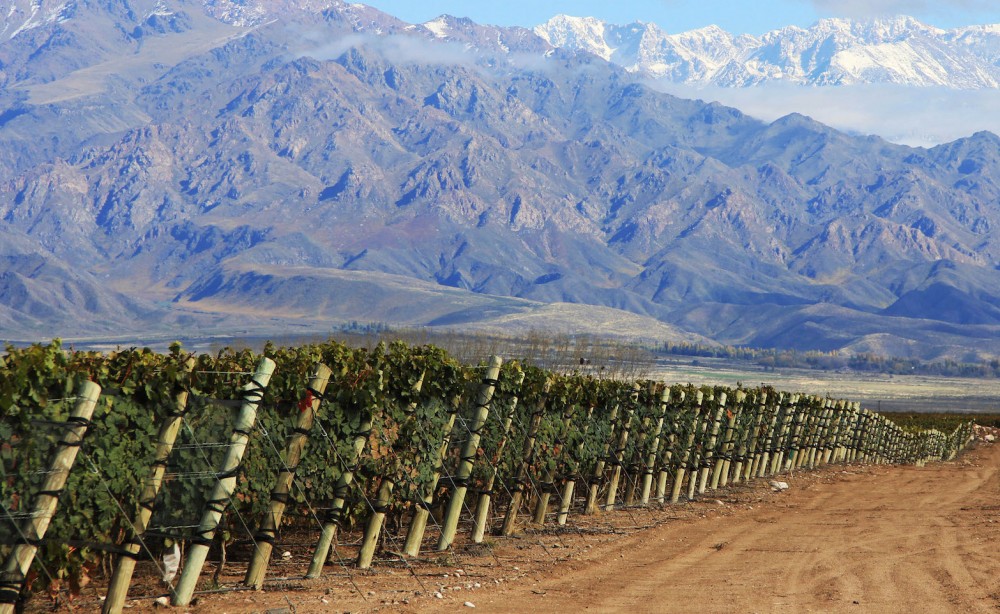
(399, 49)
(919, 116)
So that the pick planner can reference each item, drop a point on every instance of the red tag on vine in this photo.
(306, 401)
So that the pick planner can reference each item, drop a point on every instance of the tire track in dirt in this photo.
(889, 539)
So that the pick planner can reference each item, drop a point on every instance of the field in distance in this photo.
(875, 391)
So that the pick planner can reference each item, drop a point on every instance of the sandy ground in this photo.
(841, 539)
(897, 540)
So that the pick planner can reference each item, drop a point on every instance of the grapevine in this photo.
(547, 431)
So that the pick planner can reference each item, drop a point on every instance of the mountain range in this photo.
(899, 50)
(190, 168)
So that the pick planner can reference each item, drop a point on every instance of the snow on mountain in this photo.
(587, 33)
(23, 15)
(899, 50)
(255, 12)
(438, 26)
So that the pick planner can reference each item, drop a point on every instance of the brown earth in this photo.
(841, 539)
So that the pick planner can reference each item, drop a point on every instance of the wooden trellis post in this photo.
(886, 442)
(866, 436)
(720, 473)
(758, 436)
(264, 539)
(835, 452)
(712, 441)
(125, 566)
(570, 485)
(688, 448)
(654, 447)
(817, 431)
(253, 393)
(874, 436)
(486, 497)
(857, 419)
(883, 441)
(333, 516)
(595, 485)
(418, 524)
(788, 439)
(634, 468)
(769, 446)
(847, 442)
(799, 432)
(860, 435)
(20, 558)
(748, 445)
(527, 451)
(779, 420)
(469, 452)
(616, 471)
(698, 453)
(810, 427)
(831, 432)
(373, 528)
(668, 452)
(547, 484)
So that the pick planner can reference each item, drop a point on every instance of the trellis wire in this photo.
(796, 432)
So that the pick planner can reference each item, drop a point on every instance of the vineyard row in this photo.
(121, 456)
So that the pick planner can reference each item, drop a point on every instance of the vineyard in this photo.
(134, 462)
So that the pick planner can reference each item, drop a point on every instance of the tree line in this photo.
(772, 358)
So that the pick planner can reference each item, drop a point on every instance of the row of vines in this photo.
(218, 451)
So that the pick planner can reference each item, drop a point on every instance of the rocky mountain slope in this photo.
(898, 50)
(295, 165)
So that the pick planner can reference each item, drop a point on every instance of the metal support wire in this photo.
(371, 506)
(532, 482)
(121, 509)
(16, 583)
(218, 477)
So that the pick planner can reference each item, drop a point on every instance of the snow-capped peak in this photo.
(899, 50)
(876, 30)
(580, 33)
(438, 26)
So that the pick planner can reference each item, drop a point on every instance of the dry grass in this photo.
(888, 393)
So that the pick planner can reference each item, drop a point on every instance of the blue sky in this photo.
(745, 16)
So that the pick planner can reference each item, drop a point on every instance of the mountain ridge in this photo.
(329, 146)
(833, 51)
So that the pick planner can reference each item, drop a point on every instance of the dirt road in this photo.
(901, 539)
(841, 539)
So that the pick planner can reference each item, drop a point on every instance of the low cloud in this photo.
(917, 116)
(398, 49)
